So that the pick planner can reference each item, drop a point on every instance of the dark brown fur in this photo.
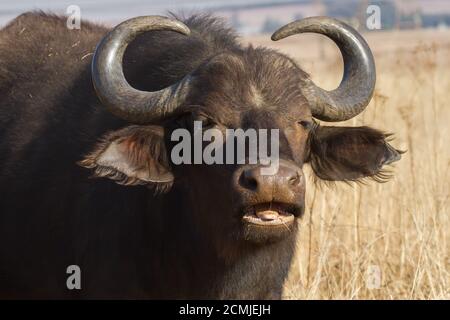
(186, 241)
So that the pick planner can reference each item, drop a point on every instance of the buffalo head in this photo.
(248, 88)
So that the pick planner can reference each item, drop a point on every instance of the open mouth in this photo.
(271, 214)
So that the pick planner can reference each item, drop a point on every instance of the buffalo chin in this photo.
(268, 233)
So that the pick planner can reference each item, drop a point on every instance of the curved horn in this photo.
(109, 81)
(358, 82)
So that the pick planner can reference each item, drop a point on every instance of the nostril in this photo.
(248, 180)
(252, 184)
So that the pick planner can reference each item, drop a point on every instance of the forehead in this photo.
(252, 81)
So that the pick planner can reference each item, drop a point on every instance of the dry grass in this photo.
(400, 227)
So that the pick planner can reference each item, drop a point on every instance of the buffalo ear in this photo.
(134, 155)
(350, 153)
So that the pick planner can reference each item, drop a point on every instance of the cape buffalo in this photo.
(108, 100)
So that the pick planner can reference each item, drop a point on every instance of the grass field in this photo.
(390, 240)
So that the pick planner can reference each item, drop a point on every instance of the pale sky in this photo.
(114, 10)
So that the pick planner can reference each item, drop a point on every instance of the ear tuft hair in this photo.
(135, 155)
(351, 154)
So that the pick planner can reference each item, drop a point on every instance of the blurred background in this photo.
(357, 241)
(251, 16)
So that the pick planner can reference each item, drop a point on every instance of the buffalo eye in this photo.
(206, 121)
(187, 119)
(306, 124)
(182, 121)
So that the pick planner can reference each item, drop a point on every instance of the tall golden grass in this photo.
(389, 240)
